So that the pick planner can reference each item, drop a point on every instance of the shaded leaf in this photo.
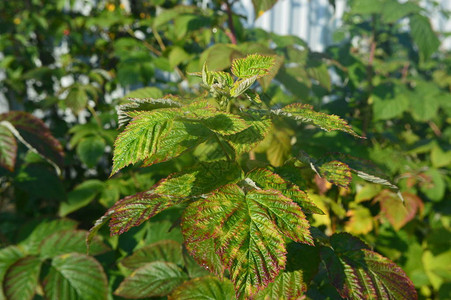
(42, 230)
(75, 276)
(35, 135)
(204, 288)
(80, 196)
(8, 148)
(21, 279)
(90, 150)
(423, 36)
(166, 250)
(398, 213)
(151, 280)
(359, 273)
(69, 241)
(8, 256)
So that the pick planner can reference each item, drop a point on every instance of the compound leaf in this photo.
(253, 65)
(166, 250)
(75, 276)
(34, 134)
(248, 232)
(151, 280)
(204, 288)
(21, 278)
(266, 179)
(359, 273)
(8, 148)
(305, 113)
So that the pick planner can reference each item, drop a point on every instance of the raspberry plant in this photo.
(243, 220)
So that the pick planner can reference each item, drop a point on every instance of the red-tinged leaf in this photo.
(151, 280)
(21, 279)
(134, 210)
(266, 179)
(247, 231)
(336, 172)
(207, 287)
(359, 273)
(35, 135)
(305, 113)
(166, 250)
(8, 148)
(75, 276)
(287, 286)
(398, 213)
(8, 256)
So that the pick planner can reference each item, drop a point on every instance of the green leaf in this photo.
(146, 92)
(77, 99)
(155, 136)
(251, 66)
(336, 172)
(260, 6)
(8, 256)
(75, 276)
(389, 102)
(305, 113)
(90, 150)
(217, 121)
(266, 179)
(425, 101)
(288, 285)
(248, 232)
(177, 56)
(166, 250)
(423, 36)
(8, 148)
(242, 85)
(69, 241)
(21, 279)
(34, 134)
(136, 209)
(80, 196)
(42, 230)
(204, 288)
(140, 103)
(437, 267)
(249, 138)
(151, 280)
(359, 273)
(434, 188)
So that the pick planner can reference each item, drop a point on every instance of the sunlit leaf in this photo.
(268, 180)
(248, 232)
(305, 113)
(423, 36)
(254, 65)
(288, 285)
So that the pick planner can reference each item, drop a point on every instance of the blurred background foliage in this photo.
(64, 69)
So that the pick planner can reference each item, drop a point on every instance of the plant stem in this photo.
(232, 33)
